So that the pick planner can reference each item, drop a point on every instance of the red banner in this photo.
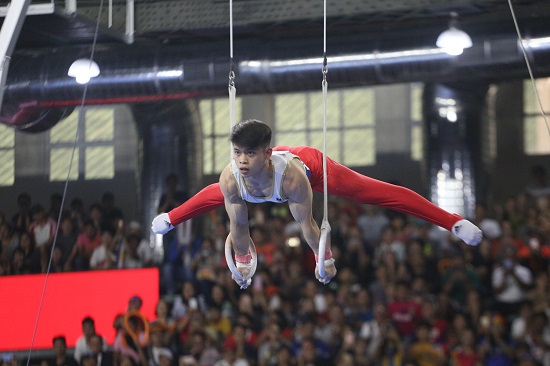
(69, 298)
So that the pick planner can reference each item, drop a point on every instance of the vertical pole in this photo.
(11, 28)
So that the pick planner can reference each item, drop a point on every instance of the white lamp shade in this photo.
(83, 70)
(453, 41)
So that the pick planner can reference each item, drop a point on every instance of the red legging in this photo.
(342, 182)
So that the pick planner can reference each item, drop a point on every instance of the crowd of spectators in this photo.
(87, 239)
(406, 292)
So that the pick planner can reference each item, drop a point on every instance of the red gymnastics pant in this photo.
(342, 182)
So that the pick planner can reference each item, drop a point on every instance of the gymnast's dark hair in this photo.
(251, 134)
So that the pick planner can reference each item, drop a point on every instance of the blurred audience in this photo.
(406, 293)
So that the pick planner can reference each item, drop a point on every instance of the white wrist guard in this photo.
(161, 224)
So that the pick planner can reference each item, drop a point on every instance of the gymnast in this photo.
(259, 173)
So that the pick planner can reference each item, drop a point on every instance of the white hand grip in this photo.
(231, 264)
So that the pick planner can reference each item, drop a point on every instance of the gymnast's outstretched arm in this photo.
(206, 200)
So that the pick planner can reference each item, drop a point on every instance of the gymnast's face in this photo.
(250, 161)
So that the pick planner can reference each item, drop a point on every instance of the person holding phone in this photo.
(510, 282)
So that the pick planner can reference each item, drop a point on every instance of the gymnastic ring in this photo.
(233, 268)
(325, 231)
(131, 333)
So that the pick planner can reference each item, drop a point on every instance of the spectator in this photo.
(173, 196)
(22, 219)
(42, 229)
(57, 263)
(165, 320)
(8, 242)
(112, 215)
(97, 347)
(269, 343)
(188, 300)
(158, 343)
(377, 287)
(371, 223)
(389, 244)
(495, 347)
(204, 265)
(83, 342)
(17, 265)
(132, 340)
(357, 255)
(66, 237)
(307, 355)
(458, 279)
(77, 214)
(242, 340)
(230, 358)
(536, 254)
(32, 262)
(129, 256)
(404, 312)
(56, 200)
(86, 242)
(217, 324)
(144, 250)
(432, 317)
(105, 255)
(219, 298)
(538, 338)
(373, 330)
(510, 283)
(520, 325)
(60, 353)
(466, 353)
(391, 350)
(423, 351)
(200, 351)
(307, 330)
(95, 214)
(284, 357)
(538, 295)
(165, 357)
(88, 359)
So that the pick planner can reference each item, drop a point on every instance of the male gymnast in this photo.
(259, 173)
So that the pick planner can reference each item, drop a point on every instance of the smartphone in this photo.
(534, 243)
(508, 263)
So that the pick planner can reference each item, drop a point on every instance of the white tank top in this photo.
(280, 160)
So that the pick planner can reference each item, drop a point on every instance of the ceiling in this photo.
(174, 49)
(200, 22)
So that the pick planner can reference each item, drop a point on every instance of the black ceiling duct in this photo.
(38, 81)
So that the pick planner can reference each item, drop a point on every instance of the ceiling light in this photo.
(83, 70)
(453, 41)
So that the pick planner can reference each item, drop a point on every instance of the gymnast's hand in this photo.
(244, 270)
(161, 224)
(330, 271)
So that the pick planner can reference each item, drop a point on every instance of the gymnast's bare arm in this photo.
(237, 211)
(300, 201)
(297, 189)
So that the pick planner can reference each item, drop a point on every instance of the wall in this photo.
(510, 174)
(32, 162)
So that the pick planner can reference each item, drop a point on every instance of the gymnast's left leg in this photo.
(346, 183)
